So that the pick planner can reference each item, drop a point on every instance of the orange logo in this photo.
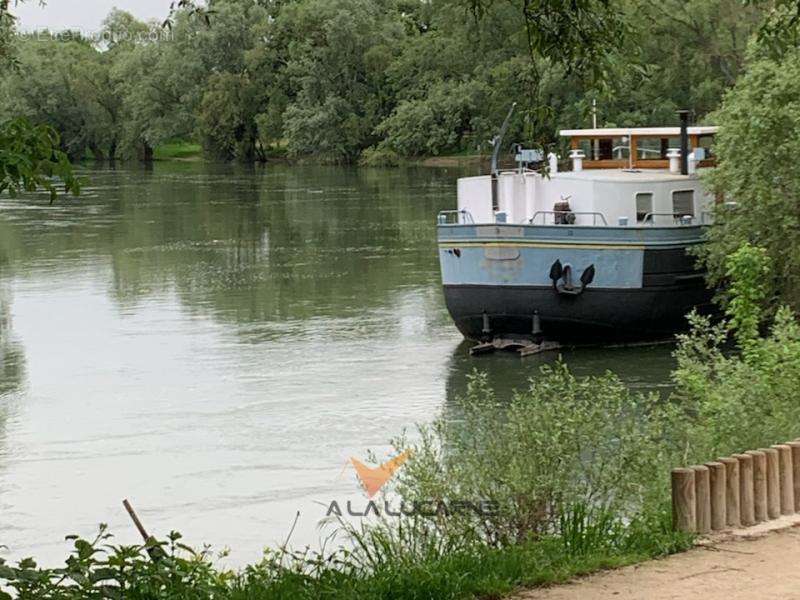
(374, 478)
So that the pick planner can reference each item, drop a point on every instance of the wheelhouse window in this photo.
(683, 203)
(644, 205)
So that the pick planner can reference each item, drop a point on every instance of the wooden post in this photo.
(747, 513)
(134, 517)
(773, 486)
(150, 544)
(759, 484)
(786, 479)
(684, 502)
(731, 491)
(702, 492)
(795, 446)
(717, 483)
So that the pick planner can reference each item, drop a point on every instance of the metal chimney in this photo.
(684, 115)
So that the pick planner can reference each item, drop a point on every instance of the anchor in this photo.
(561, 275)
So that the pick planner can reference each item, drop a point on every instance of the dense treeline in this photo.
(369, 80)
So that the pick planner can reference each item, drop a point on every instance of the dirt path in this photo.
(765, 567)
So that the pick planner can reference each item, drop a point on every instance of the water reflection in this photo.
(12, 376)
(215, 342)
(642, 368)
(12, 358)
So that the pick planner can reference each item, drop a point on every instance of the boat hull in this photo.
(592, 317)
(497, 281)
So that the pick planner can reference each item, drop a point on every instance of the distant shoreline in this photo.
(189, 152)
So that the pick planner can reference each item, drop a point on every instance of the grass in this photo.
(178, 151)
(97, 570)
(482, 572)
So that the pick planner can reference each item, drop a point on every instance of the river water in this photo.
(215, 342)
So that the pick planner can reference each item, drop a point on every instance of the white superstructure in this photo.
(595, 197)
(622, 177)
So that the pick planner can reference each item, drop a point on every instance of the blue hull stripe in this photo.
(521, 255)
(614, 267)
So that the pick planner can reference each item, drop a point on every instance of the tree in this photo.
(780, 29)
(678, 55)
(435, 123)
(332, 79)
(30, 157)
(159, 85)
(227, 118)
(64, 84)
(576, 34)
(757, 148)
(336, 61)
(456, 77)
(237, 88)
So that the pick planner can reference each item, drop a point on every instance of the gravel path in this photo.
(751, 568)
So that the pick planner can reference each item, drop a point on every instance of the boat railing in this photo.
(461, 217)
(677, 218)
(594, 215)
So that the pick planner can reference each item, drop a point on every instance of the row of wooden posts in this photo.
(737, 491)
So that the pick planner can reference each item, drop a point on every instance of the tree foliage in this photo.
(757, 148)
(342, 80)
(30, 159)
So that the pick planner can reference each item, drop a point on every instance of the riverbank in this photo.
(193, 152)
(378, 569)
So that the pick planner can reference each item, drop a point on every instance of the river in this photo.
(214, 342)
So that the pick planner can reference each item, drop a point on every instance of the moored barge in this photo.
(597, 253)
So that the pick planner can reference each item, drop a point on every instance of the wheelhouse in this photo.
(640, 147)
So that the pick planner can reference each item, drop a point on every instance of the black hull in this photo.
(596, 316)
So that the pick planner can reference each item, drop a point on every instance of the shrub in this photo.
(561, 446)
(97, 569)
(740, 396)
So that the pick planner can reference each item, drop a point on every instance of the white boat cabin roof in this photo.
(655, 132)
(623, 175)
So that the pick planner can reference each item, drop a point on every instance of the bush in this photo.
(744, 396)
(97, 569)
(555, 449)
(379, 156)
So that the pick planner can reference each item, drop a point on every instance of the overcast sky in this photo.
(85, 15)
